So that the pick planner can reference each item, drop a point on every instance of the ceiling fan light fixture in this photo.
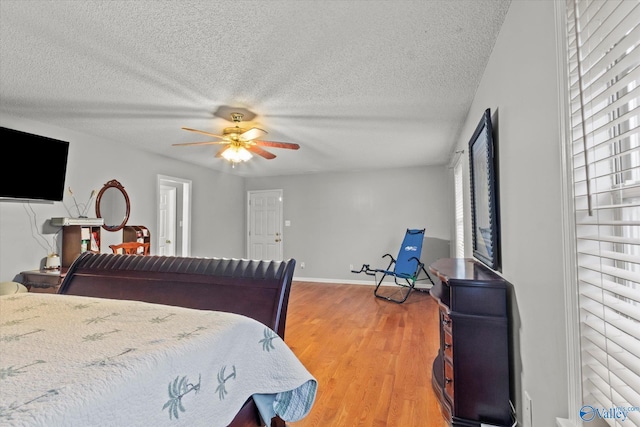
(236, 154)
(241, 143)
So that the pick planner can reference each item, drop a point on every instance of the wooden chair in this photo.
(131, 248)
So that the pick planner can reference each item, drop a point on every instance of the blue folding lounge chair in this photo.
(404, 269)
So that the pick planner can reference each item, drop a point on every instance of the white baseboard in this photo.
(348, 282)
(319, 280)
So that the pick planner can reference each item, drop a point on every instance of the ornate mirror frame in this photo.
(113, 186)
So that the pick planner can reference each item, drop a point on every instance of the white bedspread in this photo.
(78, 361)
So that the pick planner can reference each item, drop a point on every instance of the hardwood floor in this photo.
(372, 358)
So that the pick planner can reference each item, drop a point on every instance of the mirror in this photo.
(112, 205)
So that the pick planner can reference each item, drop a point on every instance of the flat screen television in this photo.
(485, 211)
(33, 167)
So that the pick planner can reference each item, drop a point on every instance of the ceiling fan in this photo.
(240, 143)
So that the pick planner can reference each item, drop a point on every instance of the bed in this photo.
(152, 340)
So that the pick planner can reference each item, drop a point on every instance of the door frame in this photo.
(183, 211)
(168, 221)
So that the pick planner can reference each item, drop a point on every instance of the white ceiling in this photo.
(357, 84)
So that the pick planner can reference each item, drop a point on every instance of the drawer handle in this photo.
(448, 380)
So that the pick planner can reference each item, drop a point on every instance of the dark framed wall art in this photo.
(484, 197)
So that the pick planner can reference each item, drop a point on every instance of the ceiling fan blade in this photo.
(276, 144)
(203, 132)
(252, 133)
(201, 143)
(260, 152)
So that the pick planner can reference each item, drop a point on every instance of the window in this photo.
(603, 46)
(459, 208)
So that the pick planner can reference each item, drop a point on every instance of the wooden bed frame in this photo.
(257, 289)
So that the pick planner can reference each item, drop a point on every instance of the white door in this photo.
(173, 217)
(264, 227)
(167, 221)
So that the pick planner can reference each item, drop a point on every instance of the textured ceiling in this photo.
(357, 84)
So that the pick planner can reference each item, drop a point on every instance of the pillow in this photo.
(7, 288)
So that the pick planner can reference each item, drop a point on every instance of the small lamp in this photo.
(52, 262)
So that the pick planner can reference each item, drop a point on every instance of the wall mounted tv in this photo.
(33, 168)
(485, 209)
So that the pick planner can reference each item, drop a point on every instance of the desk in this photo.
(44, 281)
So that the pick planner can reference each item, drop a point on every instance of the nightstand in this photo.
(43, 281)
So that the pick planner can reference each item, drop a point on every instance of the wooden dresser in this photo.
(471, 371)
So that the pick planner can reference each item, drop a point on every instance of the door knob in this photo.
(168, 241)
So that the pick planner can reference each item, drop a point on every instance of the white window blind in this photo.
(604, 77)
(459, 207)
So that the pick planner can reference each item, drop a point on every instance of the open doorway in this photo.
(173, 216)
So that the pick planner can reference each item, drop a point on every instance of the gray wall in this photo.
(340, 219)
(25, 235)
(520, 85)
(337, 219)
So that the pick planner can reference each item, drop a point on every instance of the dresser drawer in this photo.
(448, 345)
(44, 289)
(445, 320)
(448, 381)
